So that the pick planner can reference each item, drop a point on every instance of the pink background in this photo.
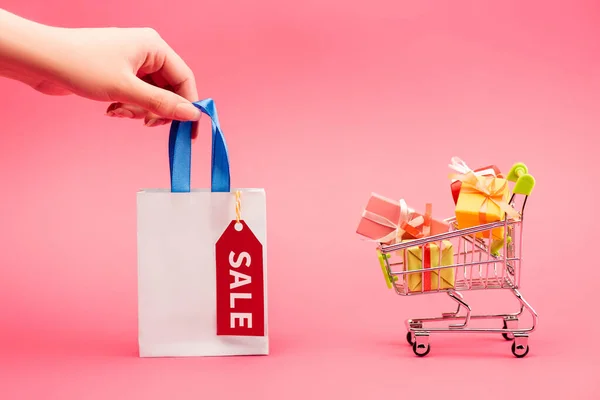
(322, 102)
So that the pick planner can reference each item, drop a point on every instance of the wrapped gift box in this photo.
(490, 171)
(382, 219)
(428, 256)
(483, 203)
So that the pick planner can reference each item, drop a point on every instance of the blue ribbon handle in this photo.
(180, 152)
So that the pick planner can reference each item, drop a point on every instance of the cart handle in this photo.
(524, 182)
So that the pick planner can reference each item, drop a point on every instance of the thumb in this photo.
(162, 102)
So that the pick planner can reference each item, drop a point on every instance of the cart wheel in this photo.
(409, 338)
(421, 350)
(519, 351)
(507, 336)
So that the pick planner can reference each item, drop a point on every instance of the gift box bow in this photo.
(461, 167)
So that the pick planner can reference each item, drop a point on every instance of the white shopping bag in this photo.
(202, 266)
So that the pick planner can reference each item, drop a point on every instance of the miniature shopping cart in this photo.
(462, 260)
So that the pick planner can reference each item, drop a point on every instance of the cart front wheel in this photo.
(409, 338)
(421, 350)
(518, 351)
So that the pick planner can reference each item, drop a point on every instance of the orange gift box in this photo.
(482, 198)
(481, 203)
(387, 221)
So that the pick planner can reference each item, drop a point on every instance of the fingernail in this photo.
(120, 113)
(155, 122)
(186, 112)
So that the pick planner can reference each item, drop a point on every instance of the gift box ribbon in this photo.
(459, 166)
(462, 168)
(426, 265)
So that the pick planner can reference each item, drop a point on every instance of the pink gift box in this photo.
(382, 217)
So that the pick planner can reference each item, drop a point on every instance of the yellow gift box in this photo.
(483, 200)
(428, 256)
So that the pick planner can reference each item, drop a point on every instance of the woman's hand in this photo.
(133, 68)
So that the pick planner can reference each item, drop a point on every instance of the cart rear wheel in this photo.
(421, 350)
(520, 351)
(409, 338)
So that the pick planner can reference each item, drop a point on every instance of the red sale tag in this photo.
(240, 284)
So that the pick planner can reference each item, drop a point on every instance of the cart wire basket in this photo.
(463, 260)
